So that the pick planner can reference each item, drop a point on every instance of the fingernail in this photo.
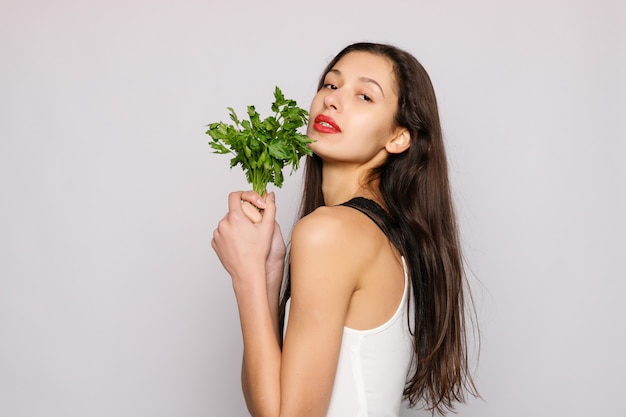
(273, 196)
(260, 203)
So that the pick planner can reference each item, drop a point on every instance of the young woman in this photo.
(373, 304)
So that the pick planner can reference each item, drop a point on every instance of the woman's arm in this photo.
(323, 280)
(274, 269)
(242, 241)
(297, 381)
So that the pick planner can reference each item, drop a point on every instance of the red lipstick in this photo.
(326, 124)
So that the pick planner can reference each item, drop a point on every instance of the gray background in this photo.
(112, 302)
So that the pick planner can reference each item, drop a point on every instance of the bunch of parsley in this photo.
(264, 147)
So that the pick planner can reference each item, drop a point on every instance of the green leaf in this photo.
(277, 151)
(219, 148)
(278, 96)
(255, 118)
(233, 115)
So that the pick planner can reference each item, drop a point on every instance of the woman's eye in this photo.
(330, 86)
(365, 97)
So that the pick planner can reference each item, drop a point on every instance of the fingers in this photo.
(234, 200)
(255, 208)
(269, 214)
(253, 198)
(251, 212)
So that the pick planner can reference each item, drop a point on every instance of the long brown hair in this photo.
(414, 188)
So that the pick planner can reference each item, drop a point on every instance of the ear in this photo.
(400, 142)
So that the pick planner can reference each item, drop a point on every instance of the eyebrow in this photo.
(363, 79)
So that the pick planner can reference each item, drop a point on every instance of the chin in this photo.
(313, 147)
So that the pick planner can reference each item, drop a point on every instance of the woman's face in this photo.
(352, 115)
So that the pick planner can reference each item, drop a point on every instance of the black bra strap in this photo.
(378, 215)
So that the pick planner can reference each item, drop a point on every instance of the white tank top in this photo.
(373, 366)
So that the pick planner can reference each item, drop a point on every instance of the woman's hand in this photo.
(252, 205)
(242, 245)
(243, 237)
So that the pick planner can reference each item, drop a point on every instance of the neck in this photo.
(343, 182)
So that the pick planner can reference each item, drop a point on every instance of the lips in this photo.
(326, 124)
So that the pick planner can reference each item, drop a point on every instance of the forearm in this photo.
(274, 282)
(245, 386)
(262, 356)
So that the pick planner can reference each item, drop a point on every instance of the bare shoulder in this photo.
(337, 229)
(325, 223)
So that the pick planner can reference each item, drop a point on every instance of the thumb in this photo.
(269, 214)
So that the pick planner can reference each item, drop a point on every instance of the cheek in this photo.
(375, 127)
(313, 110)
(376, 136)
(386, 125)
(318, 101)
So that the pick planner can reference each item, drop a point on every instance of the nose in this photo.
(332, 100)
